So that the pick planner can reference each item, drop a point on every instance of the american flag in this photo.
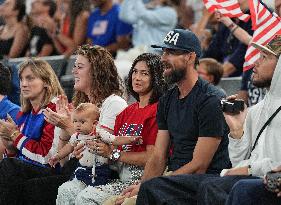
(266, 25)
(230, 8)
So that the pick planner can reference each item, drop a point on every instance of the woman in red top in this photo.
(146, 84)
(30, 137)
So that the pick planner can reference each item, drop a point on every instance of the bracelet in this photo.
(231, 26)
(64, 140)
(57, 154)
(232, 30)
(250, 173)
(14, 134)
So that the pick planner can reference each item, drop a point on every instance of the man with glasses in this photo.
(192, 135)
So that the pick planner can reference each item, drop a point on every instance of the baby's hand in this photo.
(137, 140)
(54, 160)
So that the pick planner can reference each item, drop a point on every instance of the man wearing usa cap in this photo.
(192, 135)
(254, 141)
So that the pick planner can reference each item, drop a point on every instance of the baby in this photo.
(92, 168)
(85, 120)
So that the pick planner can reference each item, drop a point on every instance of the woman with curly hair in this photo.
(96, 81)
(146, 84)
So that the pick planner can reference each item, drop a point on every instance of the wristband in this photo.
(231, 26)
(59, 158)
(232, 30)
(250, 173)
(14, 134)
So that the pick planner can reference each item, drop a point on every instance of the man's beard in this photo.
(262, 83)
(175, 76)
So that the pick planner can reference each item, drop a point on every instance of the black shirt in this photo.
(197, 114)
(38, 39)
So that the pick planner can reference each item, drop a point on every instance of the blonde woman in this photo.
(30, 136)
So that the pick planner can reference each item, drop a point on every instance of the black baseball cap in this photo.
(181, 39)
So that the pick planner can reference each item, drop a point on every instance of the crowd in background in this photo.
(36, 28)
(183, 108)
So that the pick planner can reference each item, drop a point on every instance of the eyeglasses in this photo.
(176, 52)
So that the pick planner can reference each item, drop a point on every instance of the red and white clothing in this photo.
(36, 138)
(132, 121)
(110, 108)
(136, 121)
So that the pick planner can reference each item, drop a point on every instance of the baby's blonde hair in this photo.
(91, 109)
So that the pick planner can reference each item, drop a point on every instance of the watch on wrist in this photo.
(115, 155)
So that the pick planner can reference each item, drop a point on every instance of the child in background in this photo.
(210, 70)
(92, 168)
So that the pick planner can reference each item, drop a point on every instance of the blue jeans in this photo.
(215, 191)
(171, 190)
(251, 192)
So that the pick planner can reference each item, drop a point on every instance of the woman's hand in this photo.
(62, 117)
(101, 148)
(54, 160)
(224, 19)
(62, 105)
(8, 128)
(47, 23)
(59, 120)
(78, 149)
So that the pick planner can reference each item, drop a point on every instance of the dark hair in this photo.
(214, 68)
(5, 79)
(76, 8)
(156, 68)
(53, 6)
(20, 6)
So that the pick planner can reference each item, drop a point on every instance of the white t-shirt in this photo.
(110, 108)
